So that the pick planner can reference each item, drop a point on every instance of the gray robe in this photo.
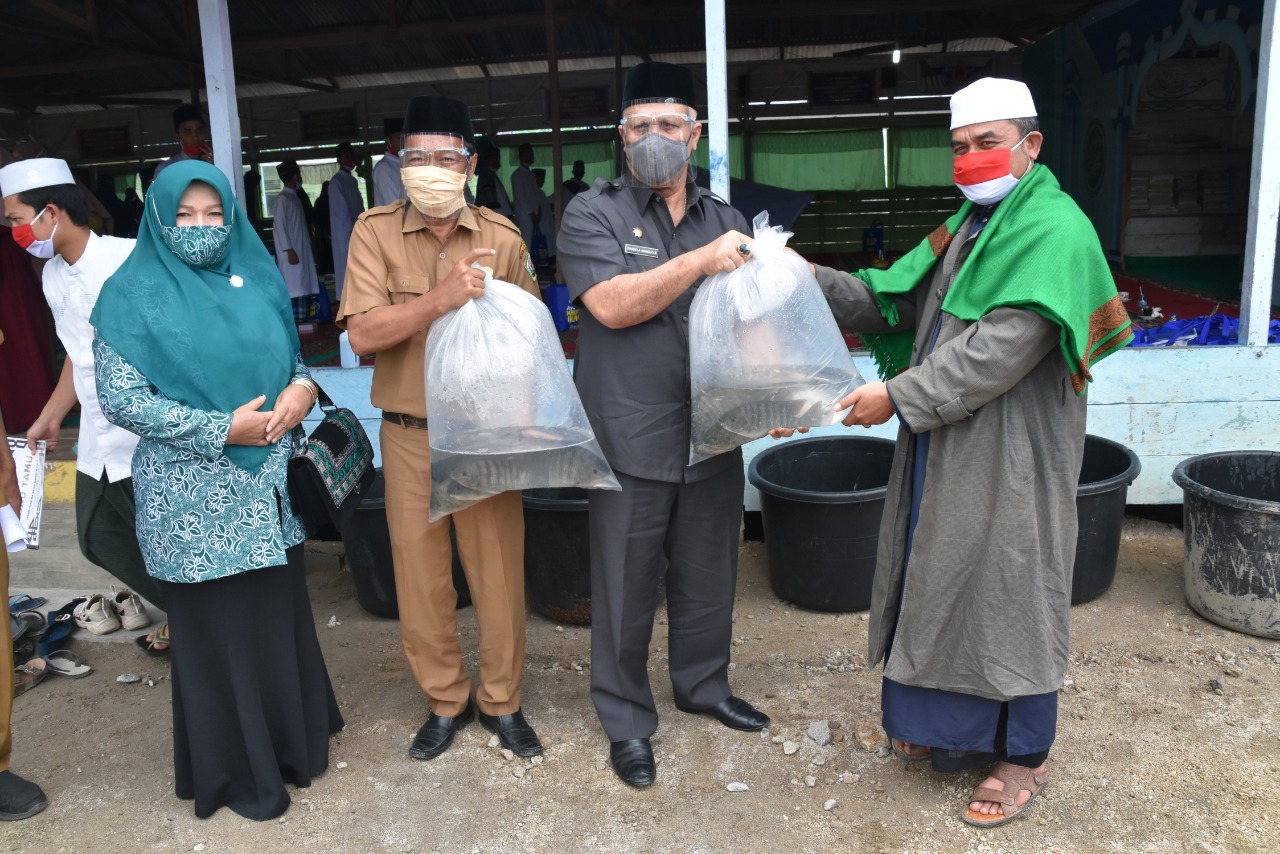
(986, 606)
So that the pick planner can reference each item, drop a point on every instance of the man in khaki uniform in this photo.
(410, 263)
(19, 798)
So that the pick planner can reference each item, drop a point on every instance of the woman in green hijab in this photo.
(196, 352)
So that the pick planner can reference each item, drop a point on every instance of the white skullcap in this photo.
(32, 174)
(991, 99)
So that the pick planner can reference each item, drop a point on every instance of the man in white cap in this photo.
(50, 219)
(984, 333)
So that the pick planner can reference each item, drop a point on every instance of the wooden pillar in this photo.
(1264, 191)
(220, 85)
(717, 99)
(553, 87)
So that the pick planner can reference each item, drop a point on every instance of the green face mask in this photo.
(197, 245)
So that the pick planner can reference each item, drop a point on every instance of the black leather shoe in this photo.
(513, 732)
(632, 761)
(437, 733)
(19, 798)
(735, 713)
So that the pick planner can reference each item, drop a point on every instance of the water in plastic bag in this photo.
(502, 406)
(764, 350)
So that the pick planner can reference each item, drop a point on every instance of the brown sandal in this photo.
(1015, 780)
(908, 752)
(28, 676)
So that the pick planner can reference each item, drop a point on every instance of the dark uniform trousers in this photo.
(690, 530)
(491, 548)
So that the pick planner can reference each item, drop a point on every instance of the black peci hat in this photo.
(434, 114)
(659, 81)
(187, 113)
(392, 125)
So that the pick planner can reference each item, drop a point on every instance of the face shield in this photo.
(657, 139)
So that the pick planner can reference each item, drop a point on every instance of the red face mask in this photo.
(192, 150)
(985, 177)
(977, 167)
(348, 162)
(24, 236)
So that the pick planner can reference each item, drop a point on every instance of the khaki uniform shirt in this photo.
(395, 258)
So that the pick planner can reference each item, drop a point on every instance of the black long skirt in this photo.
(253, 707)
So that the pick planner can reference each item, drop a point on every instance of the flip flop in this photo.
(56, 634)
(64, 662)
(28, 676)
(148, 643)
(24, 602)
(27, 623)
(24, 650)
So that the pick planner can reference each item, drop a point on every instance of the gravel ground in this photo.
(1168, 742)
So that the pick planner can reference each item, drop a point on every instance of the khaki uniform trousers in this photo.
(491, 547)
(6, 663)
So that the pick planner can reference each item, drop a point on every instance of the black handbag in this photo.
(333, 469)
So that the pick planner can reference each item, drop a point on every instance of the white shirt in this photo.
(387, 186)
(527, 199)
(344, 207)
(290, 230)
(177, 158)
(72, 292)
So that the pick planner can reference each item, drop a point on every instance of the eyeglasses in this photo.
(453, 159)
(667, 124)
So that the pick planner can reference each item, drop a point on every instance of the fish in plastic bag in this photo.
(764, 350)
(503, 410)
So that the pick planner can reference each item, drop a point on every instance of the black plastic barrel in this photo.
(1106, 471)
(821, 500)
(368, 546)
(557, 554)
(1231, 531)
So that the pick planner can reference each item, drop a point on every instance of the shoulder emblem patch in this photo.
(528, 262)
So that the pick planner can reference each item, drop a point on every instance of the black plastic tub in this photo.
(821, 500)
(368, 546)
(1231, 532)
(1106, 471)
(557, 554)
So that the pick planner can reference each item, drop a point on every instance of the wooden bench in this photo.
(835, 221)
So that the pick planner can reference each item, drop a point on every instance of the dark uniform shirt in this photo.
(634, 382)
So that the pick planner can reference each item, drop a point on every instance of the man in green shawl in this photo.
(985, 334)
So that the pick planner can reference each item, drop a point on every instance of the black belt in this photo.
(405, 420)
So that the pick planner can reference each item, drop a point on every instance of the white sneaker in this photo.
(128, 605)
(96, 615)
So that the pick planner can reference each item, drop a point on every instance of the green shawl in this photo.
(195, 336)
(1039, 252)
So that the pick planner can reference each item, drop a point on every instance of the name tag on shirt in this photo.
(646, 251)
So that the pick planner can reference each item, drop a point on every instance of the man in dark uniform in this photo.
(633, 252)
(410, 263)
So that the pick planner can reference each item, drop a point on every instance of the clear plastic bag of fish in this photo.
(503, 411)
(764, 350)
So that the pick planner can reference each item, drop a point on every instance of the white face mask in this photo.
(435, 192)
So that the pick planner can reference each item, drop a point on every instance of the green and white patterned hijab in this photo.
(201, 311)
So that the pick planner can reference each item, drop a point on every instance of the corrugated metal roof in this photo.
(147, 49)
